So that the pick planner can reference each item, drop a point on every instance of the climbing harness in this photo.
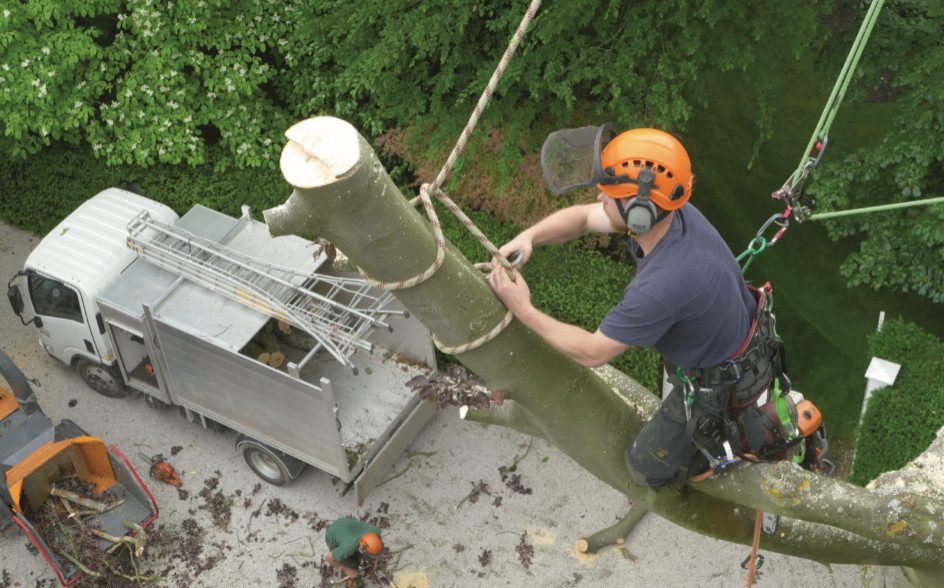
(427, 191)
(744, 408)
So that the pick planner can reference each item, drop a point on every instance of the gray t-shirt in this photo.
(688, 299)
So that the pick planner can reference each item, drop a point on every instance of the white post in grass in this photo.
(881, 373)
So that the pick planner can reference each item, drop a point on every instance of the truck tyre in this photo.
(101, 378)
(271, 465)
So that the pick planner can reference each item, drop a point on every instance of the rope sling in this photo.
(427, 191)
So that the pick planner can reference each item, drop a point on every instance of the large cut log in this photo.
(342, 193)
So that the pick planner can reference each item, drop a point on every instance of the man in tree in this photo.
(687, 299)
(349, 539)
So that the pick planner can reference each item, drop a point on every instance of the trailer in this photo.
(265, 336)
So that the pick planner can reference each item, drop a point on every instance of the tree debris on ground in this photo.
(478, 488)
(275, 507)
(525, 552)
(512, 479)
(354, 454)
(287, 576)
(215, 502)
(379, 518)
(485, 558)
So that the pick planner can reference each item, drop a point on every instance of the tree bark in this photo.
(343, 194)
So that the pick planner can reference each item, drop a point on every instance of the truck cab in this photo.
(57, 289)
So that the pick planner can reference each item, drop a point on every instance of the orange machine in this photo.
(35, 455)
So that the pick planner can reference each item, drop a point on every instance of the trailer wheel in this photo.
(272, 466)
(101, 378)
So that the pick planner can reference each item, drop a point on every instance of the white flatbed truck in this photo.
(177, 309)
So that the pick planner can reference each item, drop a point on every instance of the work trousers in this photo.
(662, 452)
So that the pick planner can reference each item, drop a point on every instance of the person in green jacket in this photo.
(348, 539)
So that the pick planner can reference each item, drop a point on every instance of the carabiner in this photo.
(782, 220)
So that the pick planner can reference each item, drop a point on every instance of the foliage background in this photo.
(189, 100)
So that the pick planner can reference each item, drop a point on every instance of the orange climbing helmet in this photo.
(598, 156)
(633, 150)
(371, 543)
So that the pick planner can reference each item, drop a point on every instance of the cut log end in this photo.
(319, 151)
(582, 546)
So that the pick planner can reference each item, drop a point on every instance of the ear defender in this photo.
(640, 217)
(642, 214)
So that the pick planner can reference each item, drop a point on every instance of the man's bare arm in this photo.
(589, 349)
(560, 227)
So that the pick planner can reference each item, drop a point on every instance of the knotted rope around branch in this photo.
(428, 190)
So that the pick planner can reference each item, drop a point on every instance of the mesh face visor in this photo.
(570, 159)
(567, 159)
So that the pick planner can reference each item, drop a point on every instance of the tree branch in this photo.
(510, 414)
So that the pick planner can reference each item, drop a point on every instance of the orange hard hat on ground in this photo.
(371, 543)
(633, 150)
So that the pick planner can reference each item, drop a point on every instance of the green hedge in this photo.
(901, 420)
(59, 179)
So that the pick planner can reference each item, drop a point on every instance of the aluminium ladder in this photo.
(336, 311)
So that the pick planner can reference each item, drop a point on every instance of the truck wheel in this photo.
(101, 379)
(268, 464)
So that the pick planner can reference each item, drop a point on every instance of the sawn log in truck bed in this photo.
(238, 329)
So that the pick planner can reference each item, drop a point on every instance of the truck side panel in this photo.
(286, 413)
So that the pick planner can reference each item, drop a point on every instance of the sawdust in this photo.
(416, 579)
(542, 536)
(584, 559)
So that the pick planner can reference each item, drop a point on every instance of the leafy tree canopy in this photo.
(148, 82)
(898, 250)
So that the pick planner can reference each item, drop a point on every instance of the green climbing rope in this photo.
(880, 208)
(797, 206)
(839, 89)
